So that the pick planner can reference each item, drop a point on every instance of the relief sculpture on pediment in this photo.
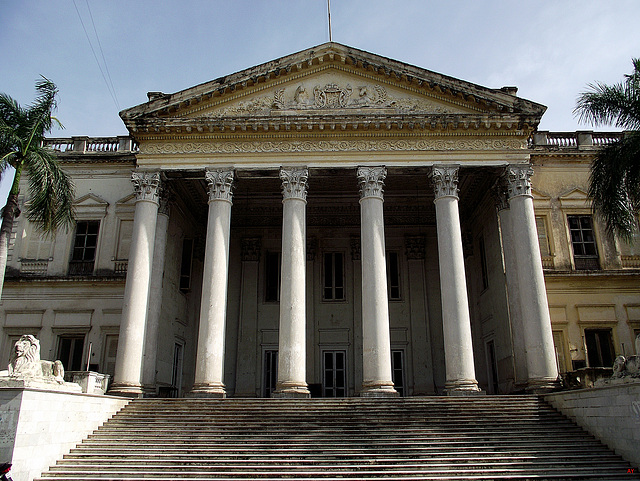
(330, 96)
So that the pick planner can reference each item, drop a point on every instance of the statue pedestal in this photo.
(34, 383)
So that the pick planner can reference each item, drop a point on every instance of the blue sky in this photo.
(549, 49)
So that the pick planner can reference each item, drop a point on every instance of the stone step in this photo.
(479, 438)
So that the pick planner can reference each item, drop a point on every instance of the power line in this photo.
(329, 13)
(106, 66)
(109, 87)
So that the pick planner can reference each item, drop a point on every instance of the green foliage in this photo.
(22, 131)
(614, 184)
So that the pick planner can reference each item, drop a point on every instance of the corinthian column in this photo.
(128, 371)
(542, 371)
(213, 305)
(458, 347)
(291, 339)
(376, 342)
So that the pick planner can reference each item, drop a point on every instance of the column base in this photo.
(378, 389)
(207, 390)
(287, 390)
(126, 390)
(542, 386)
(463, 387)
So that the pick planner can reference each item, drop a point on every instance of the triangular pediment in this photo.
(332, 80)
(575, 198)
(90, 200)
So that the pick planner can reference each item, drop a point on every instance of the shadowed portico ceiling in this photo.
(333, 196)
(329, 89)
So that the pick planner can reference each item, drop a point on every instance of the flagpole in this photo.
(329, 12)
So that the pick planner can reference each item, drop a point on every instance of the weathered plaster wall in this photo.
(38, 427)
(610, 413)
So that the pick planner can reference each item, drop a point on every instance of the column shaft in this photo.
(155, 299)
(291, 340)
(542, 369)
(376, 356)
(513, 294)
(458, 346)
(128, 371)
(209, 374)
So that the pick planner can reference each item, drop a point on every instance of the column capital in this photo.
(220, 184)
(371, 181)
(146, 185)
(164, 198)
(294, 182)
(445, 180)
(499, 195)
(518, 180)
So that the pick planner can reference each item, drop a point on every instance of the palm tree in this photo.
(614, 184)
(50, 189)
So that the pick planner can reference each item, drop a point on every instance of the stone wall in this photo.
(38, 427)
(611, 413)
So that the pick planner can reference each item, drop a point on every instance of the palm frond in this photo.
(51, 190)
(614, 185)
(617, 104)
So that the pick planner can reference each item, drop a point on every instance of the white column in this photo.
(376, 342)
(128, 371)
(542, 371)
(458, 347)
(213, 305)
(155, 297)
(511, 275)
(291, 336)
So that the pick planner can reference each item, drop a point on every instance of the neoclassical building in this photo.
(331, 223)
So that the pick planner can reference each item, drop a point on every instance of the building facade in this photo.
(332, 223)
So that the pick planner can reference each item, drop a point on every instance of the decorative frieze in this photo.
(251, 249)
(518, 179)
(294, 183)
(220, 184)
(415, 247)
(146, 185)
(445, 180)
(371, 181)
(305, 146)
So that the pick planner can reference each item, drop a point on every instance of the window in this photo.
(333, 276)
(270, 372)
(185, 266)
(483, 264)
(397, 370)
(583, 241)
(393, 276)
(334, 382)
(70, 352)
(600, 351)
(84, 248)
(272, 277)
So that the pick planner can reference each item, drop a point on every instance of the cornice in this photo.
(334, 55)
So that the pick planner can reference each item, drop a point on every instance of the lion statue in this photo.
(25, 362)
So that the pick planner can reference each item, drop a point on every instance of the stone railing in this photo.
(120, 267)
(34, 267)
(84, 145)
(573, 140)
(630, 262)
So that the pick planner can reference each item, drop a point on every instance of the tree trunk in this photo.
(8, 216)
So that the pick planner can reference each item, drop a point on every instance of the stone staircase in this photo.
(428, 438)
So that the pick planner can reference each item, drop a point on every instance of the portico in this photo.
(343, 229)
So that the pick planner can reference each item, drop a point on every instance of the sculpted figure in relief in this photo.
(628, 366)
(25, 362)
